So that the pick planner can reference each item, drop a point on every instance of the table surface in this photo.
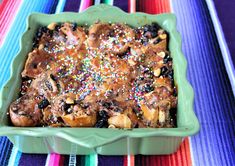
(212, 84)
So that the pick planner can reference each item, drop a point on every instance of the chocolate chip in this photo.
(170, 74)
(117, 109)
(101, 124)
(48, 85)
(175, 92)
(167, 59)
(107, 105)
(43, 104)
(65, 106)
(163, 70)
(84, 105)
(148, 88)
(153, 34)
(69, 110)
(34, 65)
(53, 77)
(103, 115)
(51, 33)
(111, 33)
(57, 27)
(74, 26)
(157, 41)
(102, 119)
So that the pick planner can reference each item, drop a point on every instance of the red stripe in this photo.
(8, 10)
(129, 6)
(2, 5)
(154, 6)
(125, 163)
(61, 162)
(181, 158)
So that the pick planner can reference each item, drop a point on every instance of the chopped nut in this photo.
(41, 46)
(162, 116)
(111, 126)
(161, 54)
(157, 72)
(149, 114)
(69, 101)
(52, 26)
(163, 36)
(75, 108)
(131, 62)
(120, 121)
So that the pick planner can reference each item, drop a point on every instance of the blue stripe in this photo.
(60, 6)
(9, 50)
(214, 100)
(6, 147)
(17, 159)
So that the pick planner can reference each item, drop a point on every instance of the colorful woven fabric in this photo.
(214, 99)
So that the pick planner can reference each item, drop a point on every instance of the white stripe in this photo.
(171, 7)
(81, 5)
(132, 6)
(72, 156)
(13, 156)
(128, 152)
(97, 2)
(48, 159)
(222, 43)
(72, 160)
(191, 152)
(111, 2)
(60, 6)
(129, 160)
(96, 159)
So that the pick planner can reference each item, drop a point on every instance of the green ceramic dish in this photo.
(93, 140)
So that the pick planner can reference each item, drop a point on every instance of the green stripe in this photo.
(109, 2)
(82, 159)
(91, 160)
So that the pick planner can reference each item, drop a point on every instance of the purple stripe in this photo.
(33, 159)
(72, 5)
(227, 20)
(121, 4)
(214, 100)
(110, 160)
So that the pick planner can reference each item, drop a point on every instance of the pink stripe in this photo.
(131, 6)
(54, 159)
(7, 16)
(85, 4)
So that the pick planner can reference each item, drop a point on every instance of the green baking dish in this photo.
(94, 140)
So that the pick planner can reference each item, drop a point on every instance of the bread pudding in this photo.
(107, 75)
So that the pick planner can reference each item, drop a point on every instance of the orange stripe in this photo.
(182, 157)
(132, 160)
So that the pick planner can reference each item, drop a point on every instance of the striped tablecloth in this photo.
(210, 71)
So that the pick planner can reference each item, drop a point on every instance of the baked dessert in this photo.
(106, 76)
